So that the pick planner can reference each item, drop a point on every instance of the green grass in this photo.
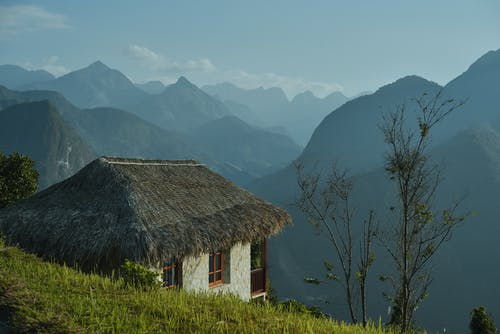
(50, 298)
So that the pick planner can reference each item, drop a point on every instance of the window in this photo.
(215, 267)
(170, 274)
(258, 254)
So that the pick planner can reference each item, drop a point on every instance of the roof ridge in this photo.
(150, 162)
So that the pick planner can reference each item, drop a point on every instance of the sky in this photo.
(322, 46)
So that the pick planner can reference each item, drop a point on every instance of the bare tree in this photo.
(417, 231)
(326, 202)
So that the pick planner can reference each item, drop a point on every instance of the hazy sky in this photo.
(320, 46)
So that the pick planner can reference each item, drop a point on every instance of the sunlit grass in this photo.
(51, 298)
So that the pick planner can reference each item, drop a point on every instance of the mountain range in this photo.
(96, 85)
(112, 131)
(13, 76)
(178, 110)
(466, 146)
(151, 87)
(38, 130)
(271, 108)
(242, 134)
(260, 151)
(181, 106)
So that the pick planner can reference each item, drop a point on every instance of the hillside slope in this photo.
(14, 76)
(231, 140)
(181, 107)
(48, 298)
(96, 85)
(37, 130)
(471, 166)
(271, 108)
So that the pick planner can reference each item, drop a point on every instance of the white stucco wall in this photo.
(195, 272)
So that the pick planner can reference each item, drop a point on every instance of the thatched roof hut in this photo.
(143, 210)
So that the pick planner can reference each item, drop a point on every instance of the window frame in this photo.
(172, 266)
(212, 257)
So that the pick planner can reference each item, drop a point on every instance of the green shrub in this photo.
(272, 294)
(481, 322)
(138, 276)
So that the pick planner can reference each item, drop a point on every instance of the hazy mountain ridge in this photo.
(181, 106)
(96, 85)
(13, 76)
(231, 140)
(479, 87)
(470, 156)
(111, 131)
(351, 133)
(270, 107)
(37, 130)
(151, 87)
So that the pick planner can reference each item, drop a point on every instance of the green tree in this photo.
(417, 231)
(18, 178)
(481, 322)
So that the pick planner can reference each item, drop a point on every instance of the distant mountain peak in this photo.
(182, 81)
(307, 95)
(408, 82)
(98, 65)
(411, 79)
(491, 58)
(96, 85)
(14, 76)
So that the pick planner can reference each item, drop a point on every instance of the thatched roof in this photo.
(143, 210)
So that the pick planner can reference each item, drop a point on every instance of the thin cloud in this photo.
(50, 64)
(25, 18)
(53, 66)
(156, 62)
(203, 71)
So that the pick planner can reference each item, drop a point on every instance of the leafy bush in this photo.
(18, 178)
(481, 322)
(272, 294)
(138, 276)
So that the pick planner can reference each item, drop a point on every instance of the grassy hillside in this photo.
(50, 298)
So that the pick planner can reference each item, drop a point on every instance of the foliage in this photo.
(325, 200)
(272, 295)
(49, 298)
(257, 254)
(417, 231)
(18, 178)
(138, 276)
(481, 322)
